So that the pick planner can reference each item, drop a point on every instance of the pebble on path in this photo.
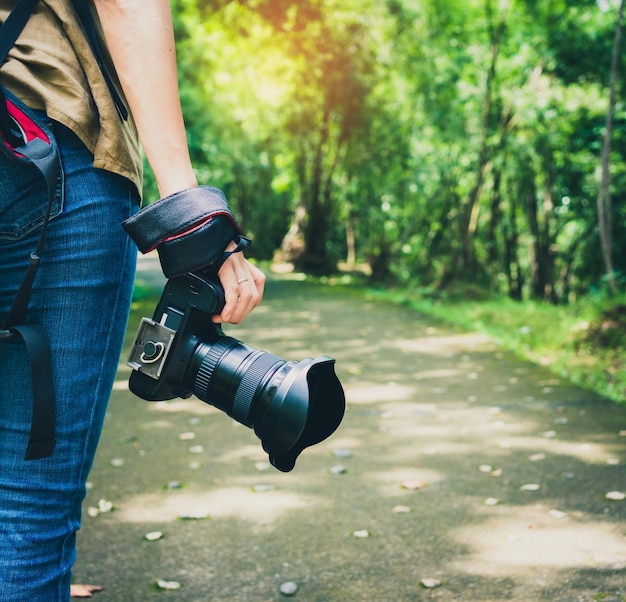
(289, 588)
(616, 496)
(168, 585)
(153, 536)
(430, 583)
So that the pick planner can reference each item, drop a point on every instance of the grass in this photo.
(583, 342)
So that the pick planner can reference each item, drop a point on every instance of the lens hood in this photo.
(306, 408)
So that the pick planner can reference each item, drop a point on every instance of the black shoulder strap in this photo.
(42, 432)
(9, 32)
(41, 442)
(84, 13)
(12, 27)
(48, 164)
(43, 422)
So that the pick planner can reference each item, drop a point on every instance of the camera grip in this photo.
(190, 229)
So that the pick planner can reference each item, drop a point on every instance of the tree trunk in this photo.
(541, 252)
(469, 212)
(292, 246)
(305, 243)
(491, 244)
(350, 238)
(512, 269)
(605, 209)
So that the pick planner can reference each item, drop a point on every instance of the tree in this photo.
(469, 213)
(605, 210)
(440, 142)
(334, 59)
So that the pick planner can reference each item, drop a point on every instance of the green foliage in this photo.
(453, 146)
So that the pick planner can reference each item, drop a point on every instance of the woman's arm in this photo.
(140, 38)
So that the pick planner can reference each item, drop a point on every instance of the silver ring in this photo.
(242, 280)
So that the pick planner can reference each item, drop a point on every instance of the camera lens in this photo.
(290, 405)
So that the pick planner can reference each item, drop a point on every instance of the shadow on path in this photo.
(456, 462)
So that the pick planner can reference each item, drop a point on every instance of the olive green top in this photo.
(52, 67)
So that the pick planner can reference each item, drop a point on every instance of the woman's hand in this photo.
(243, 285)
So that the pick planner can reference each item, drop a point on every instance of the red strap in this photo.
(30, 128)
(190, 229)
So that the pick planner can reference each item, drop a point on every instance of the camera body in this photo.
(159, 358)
(180, 351)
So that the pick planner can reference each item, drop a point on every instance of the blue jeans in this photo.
(81, 297)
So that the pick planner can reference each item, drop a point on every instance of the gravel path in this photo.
(458, 473)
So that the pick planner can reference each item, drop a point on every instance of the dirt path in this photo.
(457, 467)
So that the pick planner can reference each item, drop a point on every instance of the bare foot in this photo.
(84, 591)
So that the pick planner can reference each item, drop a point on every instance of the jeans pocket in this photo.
(23, 192)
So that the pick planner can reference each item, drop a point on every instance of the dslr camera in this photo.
(180, 351)
(290, 405)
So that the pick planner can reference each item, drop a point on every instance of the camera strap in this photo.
(83, 10)
(190, 229)
(28, 141)
(32, 144)
(43, 422)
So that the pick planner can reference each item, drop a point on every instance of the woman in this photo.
(82, 291)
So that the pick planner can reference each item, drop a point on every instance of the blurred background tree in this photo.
(444, 145)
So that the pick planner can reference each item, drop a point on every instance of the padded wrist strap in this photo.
(190, 229)
(198, 249)
(175, 215)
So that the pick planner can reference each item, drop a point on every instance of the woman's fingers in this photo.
(243, 285)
